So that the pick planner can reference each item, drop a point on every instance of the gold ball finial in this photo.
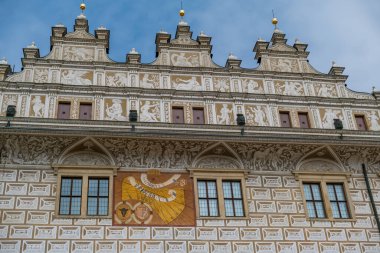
(274, 21)
(82, 6)
(182, 13)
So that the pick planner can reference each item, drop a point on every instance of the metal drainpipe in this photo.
(371, 197)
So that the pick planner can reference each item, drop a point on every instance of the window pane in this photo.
(65, 187)
(64, 206)
(339, 192)
(93, 187)
(229, 208)
(75, 205)
(239, 210)
(311, 210)
(203, 210)
(77, 187)
(344, 210)
(236, 190)
(213, 204)
(92, 206)
(316, 192)
(320, 210)
(211, 186)
(227, 190)
(307, 191)
(330, 188)
(335, 209)
(202, 189)
(103, 187)
(103, 206)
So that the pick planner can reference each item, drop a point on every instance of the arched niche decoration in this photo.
(218, 156)
(321, 160)
(86, 153)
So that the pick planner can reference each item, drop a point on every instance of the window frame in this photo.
(306, 114)
(85, 103)
(357, 115)
(324, 178)
(314, 201)
(208, 198)
(84, 172)
(290, 118)
(193, 108)
(175, 107)
(71, 196)
(233, 198)
(67, 102)
(98, 195)
(219, 176)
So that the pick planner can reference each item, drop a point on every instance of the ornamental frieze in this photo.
(180, 155)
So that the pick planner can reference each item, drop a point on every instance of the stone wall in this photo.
(276, 223)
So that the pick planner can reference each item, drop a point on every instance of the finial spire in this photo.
(82, 6)
(182, 11)
(182, 14)
(274, 20)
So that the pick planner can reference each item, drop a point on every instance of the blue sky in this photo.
(346, 31)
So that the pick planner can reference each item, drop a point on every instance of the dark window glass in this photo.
(198, 116)
(285, 119)
(178, 115)
(304, 120)
(97, 202)
(207, 198)
(71, 196)
(85, 111)
(314, 201)
(233, 199)
(63, 110)
(360, 122)
(338, 201)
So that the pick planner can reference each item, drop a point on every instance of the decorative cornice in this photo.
(190, 132)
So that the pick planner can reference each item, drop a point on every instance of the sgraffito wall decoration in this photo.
(154, 198)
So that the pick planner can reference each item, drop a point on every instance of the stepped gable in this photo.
(183, 51)
(278, 56)
(79, 45)
(80, 58)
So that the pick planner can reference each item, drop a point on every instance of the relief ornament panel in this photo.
(224, 114)
(115, 109)
(186, 83)
(77, 77)
(72, 53)
(252, 86)
(149, 81)
(182, 59)
(289, 88)
(257, 115)
(150, 111)
(37, 106)
(114, 79)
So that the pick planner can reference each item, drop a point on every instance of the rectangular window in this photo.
(207, 198)
(233, 199)
(85, 111)
(303, 119)
(338, 201)
(178, 115)
(71, 196)
(198, 116)
(360, 122)
(314, 201)
(97, 200)
(285, 119)
(63, 110)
